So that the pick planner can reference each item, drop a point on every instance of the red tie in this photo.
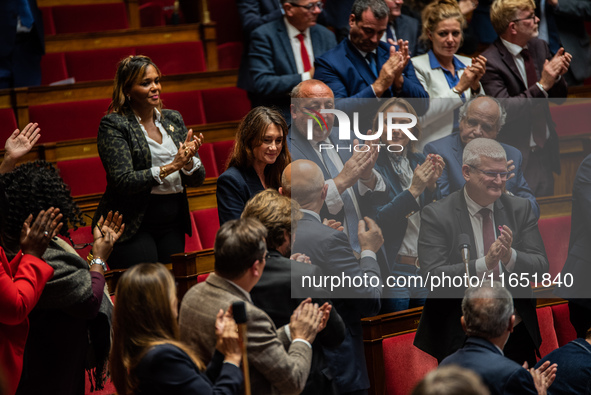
(304, 53)
(488, 237)
(538, 122)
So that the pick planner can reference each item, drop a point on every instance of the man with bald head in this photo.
(330, 249)
(349, 174)
(482, 116)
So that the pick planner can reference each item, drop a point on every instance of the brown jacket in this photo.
(276, 366)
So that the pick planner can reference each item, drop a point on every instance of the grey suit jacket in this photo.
(276, 366)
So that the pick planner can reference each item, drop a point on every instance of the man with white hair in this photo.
(504, 243)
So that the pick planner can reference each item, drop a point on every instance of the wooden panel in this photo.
(187, 266)
(555, 206)
(122, 38)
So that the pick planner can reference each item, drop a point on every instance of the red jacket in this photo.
(21, 284)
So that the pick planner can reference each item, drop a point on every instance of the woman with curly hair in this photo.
(147, 357)
(257, 161)
(149, 157)
(73, 306)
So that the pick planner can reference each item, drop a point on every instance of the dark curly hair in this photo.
(30, 188)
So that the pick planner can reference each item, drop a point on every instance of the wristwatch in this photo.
(99, 261)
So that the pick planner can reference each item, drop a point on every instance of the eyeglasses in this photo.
(532, 17)
(81, 246)
(311, 6)
(493, 174)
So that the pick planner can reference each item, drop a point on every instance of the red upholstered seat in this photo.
(546, 322)
(98, 64)
(89, 17)
(572, 119)
(208, 160)
(189, 104)
(48, 25)
(193, 243)
(82, 235)
(565, 332)
(555, 234)
(53, 68)
(222, 151)
(68, 121)
(84, 176)
(202, 277)
(7, 124)
(229, 55)
(225, 14)
(208, 223)
(225, 104)
(176, 58)
(404, 364)
(152, 14)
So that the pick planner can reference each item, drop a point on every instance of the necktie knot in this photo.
(301, 37)
(484, 213)
(525, 54)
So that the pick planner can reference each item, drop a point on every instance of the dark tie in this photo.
(538, 122)
(488, 236)
(24, 12)
(304, 53)
(348, 206)
(390, 32)
(371, 58)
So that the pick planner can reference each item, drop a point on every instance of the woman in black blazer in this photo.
(149, 157)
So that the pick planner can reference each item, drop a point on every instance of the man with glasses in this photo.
(502, 235)
(282, 52)
(521, 66)
(482, 116)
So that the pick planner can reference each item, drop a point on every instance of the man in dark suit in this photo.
(349, 174)
(504, 240)
(577, 268)
(403, 27)
(331, 251)
(279, 360)
(255, 13)
(361, 66)
(273, 293)
(482, 116)
(22, 43)
(488, 321)
(282, 53)
(520, 66)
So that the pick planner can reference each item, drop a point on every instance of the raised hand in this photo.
(18, 145)
(332, 223)
(421, 178)
(228, 340)
(106, 233)
(305, 321)
(35, 238)
(370, 238)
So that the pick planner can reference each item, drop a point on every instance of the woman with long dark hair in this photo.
(257, 161)
(149, 157)
(148, 358)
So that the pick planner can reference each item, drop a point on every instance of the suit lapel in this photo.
(458, 150)
(286, 45)
(360, 63)
(140, 139)
(500, 217)
(507, 58)
(463, 218)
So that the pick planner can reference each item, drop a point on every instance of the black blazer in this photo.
(126, 157)
(441, 224)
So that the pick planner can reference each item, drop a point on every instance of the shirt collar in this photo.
(473, 207)
(513, 49)
(434, 63)
(312, 213)
(292, 32)
(157, 116)
(240, 289)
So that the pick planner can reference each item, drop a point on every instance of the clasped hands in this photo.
(500, 249)
(391, 71)
(187, 150)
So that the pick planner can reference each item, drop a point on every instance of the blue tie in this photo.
(348, 206)
(24, 12)
(389, 34)
(371, 58)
